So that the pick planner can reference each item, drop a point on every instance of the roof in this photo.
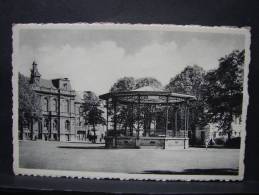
(147, 88)
(148, 95)
(47, 83)
(79, 96)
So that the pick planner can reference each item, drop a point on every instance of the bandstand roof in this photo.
(147, 95)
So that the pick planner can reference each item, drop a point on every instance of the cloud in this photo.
(97, 67)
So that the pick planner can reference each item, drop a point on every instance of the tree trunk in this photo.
(229, 135)
(94, 140)
(31, 128)
(21, 129)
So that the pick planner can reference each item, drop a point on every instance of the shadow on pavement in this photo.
(196, 172)
(93, 147)
(82, 147)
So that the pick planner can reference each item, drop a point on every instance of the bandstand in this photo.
(147, 118)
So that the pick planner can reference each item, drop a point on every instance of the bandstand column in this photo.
(138, 116)
(186, 117)
(114, 99)
(175, 123)
(166, 121)
(185, 120)
(107, 116)
(184, 134)
(132, 119)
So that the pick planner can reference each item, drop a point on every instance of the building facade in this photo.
(236, 128)
(61, 107)
(213, 133)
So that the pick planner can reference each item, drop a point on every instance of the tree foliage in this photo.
(127, 116)
(218, 92)
(92, 111)
(192, 81)
(29, 101)
(130, 83)
(225, 90)
(124, 116)
(148, 81)
(189, 81)
(124, 84)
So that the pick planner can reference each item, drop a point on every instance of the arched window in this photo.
(55, 124)
(66, 106)
(77, 109)
(67, 125)
(54, 105)
(45, 104)
(46, 124)
(65, 86)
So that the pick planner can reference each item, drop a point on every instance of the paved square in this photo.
(88, 157)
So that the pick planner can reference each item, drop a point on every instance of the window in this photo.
(45, 104)
(54, 105)
(46, 123)
(55, 124)
(78, 109)
(65, 86)
(66, 106)
(67, 125)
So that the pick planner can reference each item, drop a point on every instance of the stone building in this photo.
(61, 111)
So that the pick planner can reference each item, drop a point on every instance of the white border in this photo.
(125, 176)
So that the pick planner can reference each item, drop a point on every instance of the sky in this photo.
(95, 59)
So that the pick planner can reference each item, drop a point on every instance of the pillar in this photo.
(132, 119)
(175, 121)
(166, 121)
(107, 116)
(114, 99)
(185, 120)
(138, 115)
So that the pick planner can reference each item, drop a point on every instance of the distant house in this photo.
(62, 118)
(215, 134)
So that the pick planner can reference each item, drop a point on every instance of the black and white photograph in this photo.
(123, 101)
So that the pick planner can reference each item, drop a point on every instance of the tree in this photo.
(148, 81)
(92, 112)
(29, 102)
(129, 83)
(148, 113)
(125, 118)
(123, 84)
(191, 81)
(225, 90)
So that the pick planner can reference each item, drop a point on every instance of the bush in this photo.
(234, 142)
(219, 141)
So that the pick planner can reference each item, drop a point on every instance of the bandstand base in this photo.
(147, 142)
